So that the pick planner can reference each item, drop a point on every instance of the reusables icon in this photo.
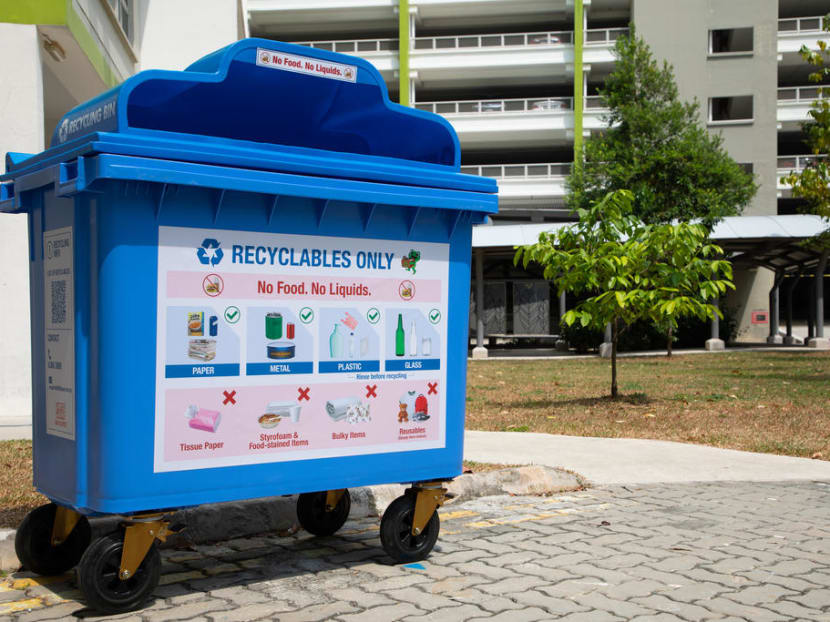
(210, 253)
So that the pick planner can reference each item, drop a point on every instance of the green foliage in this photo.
(813, 183)
(581, 338)
(691, 332)
(655, 147)
(630, 270)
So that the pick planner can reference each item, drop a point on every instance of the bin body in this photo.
(215, 320)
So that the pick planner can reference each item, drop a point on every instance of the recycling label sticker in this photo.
(288, 347)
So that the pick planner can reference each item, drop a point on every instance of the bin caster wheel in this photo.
(99, 581)
(396, 532)
(33, 542)
(316, 518)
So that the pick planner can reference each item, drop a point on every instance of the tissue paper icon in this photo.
(201, 419)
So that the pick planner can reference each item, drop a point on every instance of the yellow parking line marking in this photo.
(548, 501)
(492, 522)
(29, 603)
(11, 584)
(457, 514)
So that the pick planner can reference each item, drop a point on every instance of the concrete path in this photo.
(638, 461)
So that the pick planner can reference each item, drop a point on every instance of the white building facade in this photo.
(54, 55)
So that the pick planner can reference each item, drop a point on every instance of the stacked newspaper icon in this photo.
(202, 349)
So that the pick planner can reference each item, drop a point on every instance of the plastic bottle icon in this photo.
(336, 344)
(426, 346)
(413, 340)
(400, 338)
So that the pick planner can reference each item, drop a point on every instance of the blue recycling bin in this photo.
(248, 278)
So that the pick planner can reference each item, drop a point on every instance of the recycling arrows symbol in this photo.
(210, 253)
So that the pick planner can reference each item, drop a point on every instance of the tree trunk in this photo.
(614, 336)
(669, 341)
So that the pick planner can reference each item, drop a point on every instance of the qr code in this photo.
(58, 302)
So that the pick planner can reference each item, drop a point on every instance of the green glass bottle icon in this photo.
(400, 338)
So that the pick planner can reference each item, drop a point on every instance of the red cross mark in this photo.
(433, 388)
(371, 390)
(303, 394)
(229, 397)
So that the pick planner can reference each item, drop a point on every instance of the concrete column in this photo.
(811, 313)
(561, 343)
(479, 352)
(819, 341)
(788, 295)
(22, 129)
(404, 38)
(774, 337)
(715, 343)
(579, 79)
(606, 345)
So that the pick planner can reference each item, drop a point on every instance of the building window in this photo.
(730, 41)
(730, 109)
(122, 9)
(746, 166)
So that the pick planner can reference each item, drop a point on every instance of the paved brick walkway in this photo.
(744, 551)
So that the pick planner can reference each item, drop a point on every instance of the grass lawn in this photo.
(17, 495)
(772, 402)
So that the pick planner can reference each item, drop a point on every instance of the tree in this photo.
(813, 183)
(655, 147)
(629, 269)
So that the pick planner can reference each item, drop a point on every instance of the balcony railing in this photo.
(483, 106)
(520, 171)
(354, 46)
(515, 39)
(797, 163)
(801, 24)
(593, 102)
(600, 36)
(562, 37)
(799, 93)
(549, 104)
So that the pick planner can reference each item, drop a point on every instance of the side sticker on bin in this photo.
(306, 64)
(59, 329)
(289, 347)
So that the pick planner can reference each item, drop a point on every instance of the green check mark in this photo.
(373, 315)
(232, 315)
(434, 316)
(306, 315)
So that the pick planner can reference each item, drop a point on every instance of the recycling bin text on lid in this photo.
(249, 278)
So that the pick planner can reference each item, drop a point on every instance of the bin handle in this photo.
(7, 198)
(71, 176)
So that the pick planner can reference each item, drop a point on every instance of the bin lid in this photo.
(266, 105)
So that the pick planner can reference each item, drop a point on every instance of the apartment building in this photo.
(518, 79)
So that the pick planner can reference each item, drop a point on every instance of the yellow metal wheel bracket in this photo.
(65, 521)
(429, 497)
(333, 498)
(139, 536)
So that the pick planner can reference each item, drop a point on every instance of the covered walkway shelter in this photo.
(524, 310)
